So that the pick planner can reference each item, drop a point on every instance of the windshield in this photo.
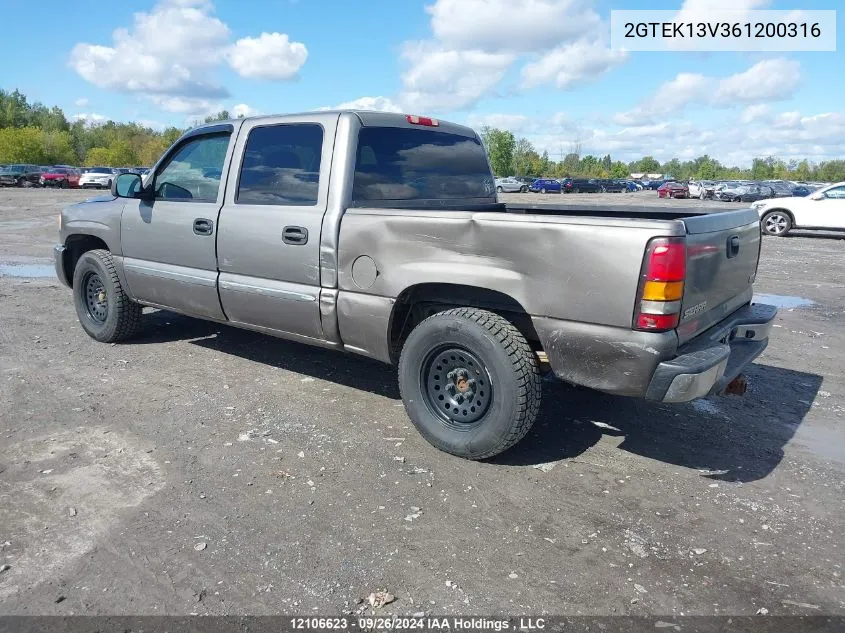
(410, 164)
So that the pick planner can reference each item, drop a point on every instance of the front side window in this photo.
(194, 171)
(281, 165)
(835, 192)
(420, 164)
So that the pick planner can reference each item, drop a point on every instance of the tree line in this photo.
(513, 156)
(34, 133)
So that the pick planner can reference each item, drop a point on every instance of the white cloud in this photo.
(168, 51)
(476, 42)
(187, 105)
(509, 25)
(90, 118)
(441, 79)
(768, 80)
(754, 113)
(82, 102)
(516, 123)
(245, 110)
(379, 104)
(268, 56)
(572, 64)
(174, 51)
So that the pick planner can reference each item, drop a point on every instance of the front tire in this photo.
(523, 189)
(776, 223)
(543, 190)
(105, 311)
(470, 382)
(499, 190)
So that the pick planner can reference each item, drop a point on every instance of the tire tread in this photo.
(525, 366)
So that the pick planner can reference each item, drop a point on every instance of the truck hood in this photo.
(96, 209)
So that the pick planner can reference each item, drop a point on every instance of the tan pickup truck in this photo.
(381, 234)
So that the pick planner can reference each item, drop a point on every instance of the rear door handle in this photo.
(295, 235)
(203, 226)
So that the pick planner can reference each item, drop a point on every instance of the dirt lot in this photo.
(204, 469)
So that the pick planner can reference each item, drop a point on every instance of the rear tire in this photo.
(105, 311)
(523, 189)
(776, 223)
(543, 190)
(470, 382)
(499, 190)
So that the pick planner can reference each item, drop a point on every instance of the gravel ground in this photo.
(205, 469)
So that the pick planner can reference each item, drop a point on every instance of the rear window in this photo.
(281, 165)
(406, 164)
(100, 170)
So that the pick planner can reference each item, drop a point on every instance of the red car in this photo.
(673, 190)
(63, 177)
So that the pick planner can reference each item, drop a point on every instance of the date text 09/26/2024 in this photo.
(425, 623)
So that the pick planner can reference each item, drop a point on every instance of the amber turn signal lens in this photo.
(663, 290)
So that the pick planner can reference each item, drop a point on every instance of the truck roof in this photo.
(367, 118)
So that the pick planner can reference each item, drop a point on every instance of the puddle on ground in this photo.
(27, 271)
(783, 301)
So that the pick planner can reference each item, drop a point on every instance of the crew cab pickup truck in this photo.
(381, 234)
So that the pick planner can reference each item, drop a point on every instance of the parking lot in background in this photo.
(205, 469)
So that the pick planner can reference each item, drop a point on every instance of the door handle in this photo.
(733, 246)
(203, 226)
(295, 235)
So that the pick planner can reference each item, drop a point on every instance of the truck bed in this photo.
(632, 211)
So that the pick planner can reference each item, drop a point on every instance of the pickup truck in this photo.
(381, 234)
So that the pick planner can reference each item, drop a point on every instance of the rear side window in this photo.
(407, 164)
(281, 165)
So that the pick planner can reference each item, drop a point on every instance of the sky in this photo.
(541, 68)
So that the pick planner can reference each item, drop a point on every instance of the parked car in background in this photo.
(612, 185)
(20, 175)
(701, 189)
(510, 185)
(97, 178)
(823, 210)
(545, 185)
(580, 185)
(633, 185)
(799, 191)
(746, 193)
(673, 189)
(653, 184)
(62, 177)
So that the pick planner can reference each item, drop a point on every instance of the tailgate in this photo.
(722, 253)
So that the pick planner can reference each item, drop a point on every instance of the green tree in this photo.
(500, 146)
(97, 156)
(762, 168)
(521, 154)
(646, 165)
(619, 170)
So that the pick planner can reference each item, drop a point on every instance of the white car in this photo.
(510, 185)
(823, 209)
(97, 177)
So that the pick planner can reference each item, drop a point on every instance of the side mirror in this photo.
(126, 185)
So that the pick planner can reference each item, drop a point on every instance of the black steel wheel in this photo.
(105, 311)
(96, 298)
(470, 382)
(456, 385)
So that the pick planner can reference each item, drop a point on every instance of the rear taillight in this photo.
(661, 285)
(422, 120)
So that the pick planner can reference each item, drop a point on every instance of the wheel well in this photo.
(784, 211)
(417, 303)
(76, 246)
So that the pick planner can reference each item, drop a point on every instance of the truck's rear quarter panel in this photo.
(576, 277)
